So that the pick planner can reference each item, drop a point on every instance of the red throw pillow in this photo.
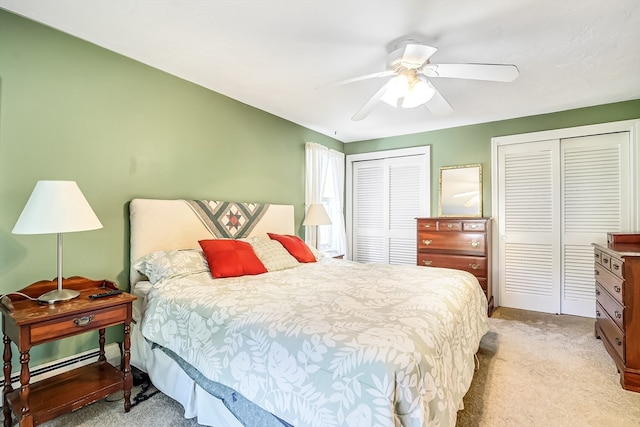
(231, 258)
(296, 247)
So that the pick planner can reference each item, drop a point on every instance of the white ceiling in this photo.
(278, 55)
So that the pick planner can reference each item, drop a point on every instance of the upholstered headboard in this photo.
(179, 224)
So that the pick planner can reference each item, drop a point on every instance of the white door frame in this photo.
(631, 126)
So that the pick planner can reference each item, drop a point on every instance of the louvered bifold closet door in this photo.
(369, 206)
(407, 194)
(388, 196)
(595, 183)
(529, 233)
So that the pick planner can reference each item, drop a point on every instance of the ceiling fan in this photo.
(411, 70)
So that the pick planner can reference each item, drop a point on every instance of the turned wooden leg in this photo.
(25, 376)
(6, 356)
(126, 369)
(101, 356)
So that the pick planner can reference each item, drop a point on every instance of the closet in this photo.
(554, 194)
(386, 191)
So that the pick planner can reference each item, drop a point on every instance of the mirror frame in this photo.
(457, 181)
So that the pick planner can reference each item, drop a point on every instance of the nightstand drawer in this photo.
(77, 324)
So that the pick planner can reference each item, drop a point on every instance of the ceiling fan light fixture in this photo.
(421, 92)
(397, 88)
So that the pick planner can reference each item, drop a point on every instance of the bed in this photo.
(323, 343)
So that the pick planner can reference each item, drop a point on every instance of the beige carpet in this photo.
(541, 369)
(535, 370)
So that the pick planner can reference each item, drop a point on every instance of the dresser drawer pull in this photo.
(426, 225)
(617, 289)
(427, 262)
(83, 321)
(474, 266)
(596, 272)
(598, 313)
(427, 242)
(449, 225)
(597, 256)
(616, 266)
(618, 341)
(618, 314)
(474, 243)
(597, 292)
(473, 226)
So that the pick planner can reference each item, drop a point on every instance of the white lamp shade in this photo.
(317, 215)
(56, 207)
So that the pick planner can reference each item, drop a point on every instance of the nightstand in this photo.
(28, 323)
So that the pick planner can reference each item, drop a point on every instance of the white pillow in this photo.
(162, 265)
(272, 254)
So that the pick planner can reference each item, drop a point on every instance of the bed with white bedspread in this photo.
(325, 343)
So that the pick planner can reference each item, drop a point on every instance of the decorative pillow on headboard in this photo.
(272, 254)
(160, 265)
(296, 247)
(231, 258)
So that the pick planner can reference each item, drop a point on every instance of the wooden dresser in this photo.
(459, 243)
(617, 272)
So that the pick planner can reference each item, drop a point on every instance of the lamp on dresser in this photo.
(56, 207)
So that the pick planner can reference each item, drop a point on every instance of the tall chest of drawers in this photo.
(617, 273)
(459, 243)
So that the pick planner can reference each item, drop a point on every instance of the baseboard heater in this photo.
(112, 353)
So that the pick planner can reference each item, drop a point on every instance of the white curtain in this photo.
(319, 160)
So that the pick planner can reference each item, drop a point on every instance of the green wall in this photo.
(472, 144)
(71, 110)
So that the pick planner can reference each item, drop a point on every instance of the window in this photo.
(324, 183)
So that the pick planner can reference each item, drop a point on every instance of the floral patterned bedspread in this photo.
(333, 343)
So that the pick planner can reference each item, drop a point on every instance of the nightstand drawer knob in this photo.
(83, 321)
(427, 262)
(427, 242)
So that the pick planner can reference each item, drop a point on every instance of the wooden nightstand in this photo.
(28, 323)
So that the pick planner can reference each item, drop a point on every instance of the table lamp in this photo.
(56, 207)
(316, 215)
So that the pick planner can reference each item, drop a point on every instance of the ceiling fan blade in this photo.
(380, 74)
(414, 55)
(491, 72)
(364, 111)
(438, 105)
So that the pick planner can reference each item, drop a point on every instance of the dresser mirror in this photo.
(461, 191)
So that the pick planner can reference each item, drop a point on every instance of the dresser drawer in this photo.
(611, 306)
(611, 332)
(75, 324)
(474, 226)
(449, 225)
(455, 243)
(617, 267)
(608, 281)
(427, 224)
(474, 265)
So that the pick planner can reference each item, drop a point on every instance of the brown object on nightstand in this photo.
(617, 273)
(28, 323)
(460, 243)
